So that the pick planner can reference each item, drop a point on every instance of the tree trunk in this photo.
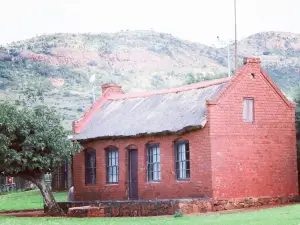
(70, 175)
(49, 200)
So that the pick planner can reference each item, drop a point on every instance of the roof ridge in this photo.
(202, 84)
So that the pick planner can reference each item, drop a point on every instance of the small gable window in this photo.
(112, 165)
(248, 110)
(90, 166)
(153, 162)
(182, 160)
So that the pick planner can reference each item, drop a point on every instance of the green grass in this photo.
(287, 215)
(26, 200)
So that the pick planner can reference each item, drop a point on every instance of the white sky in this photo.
(194, 20)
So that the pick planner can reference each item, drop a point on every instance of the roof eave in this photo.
(161, 133)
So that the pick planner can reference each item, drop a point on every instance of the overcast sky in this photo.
(194, 20)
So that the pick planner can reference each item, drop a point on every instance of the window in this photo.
(90, 166)
(153, 162)
(182, 160)
(112, 166)
(248, 110)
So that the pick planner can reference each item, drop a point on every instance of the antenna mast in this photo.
(235, 36)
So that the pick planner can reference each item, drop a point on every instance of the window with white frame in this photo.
(248, 110)
(153, 162)
(182, 160)
(112, 166)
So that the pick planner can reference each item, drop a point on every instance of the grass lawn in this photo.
(287, 215)
(26, 200)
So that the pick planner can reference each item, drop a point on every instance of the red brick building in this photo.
(227, 138)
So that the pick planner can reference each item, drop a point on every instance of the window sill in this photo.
(183, 180)
(153, 182)
(248, 122)
(112, 184)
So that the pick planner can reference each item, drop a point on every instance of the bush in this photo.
(92, 63)
(67, 108)
(80, 109)
(29, 188)
(14, 52)
(66, 94)
(178, 213)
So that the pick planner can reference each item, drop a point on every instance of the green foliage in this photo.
(178, 213)
(92, 63)
(32, 140)
(33, 92)
(80, 109)
(296, 95)
(157, 82)
(194, 78)
(12, 73)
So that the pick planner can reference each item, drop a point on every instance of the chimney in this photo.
(110, 89)
(251, 60)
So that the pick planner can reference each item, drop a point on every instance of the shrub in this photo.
(29, 188)
(92, 63)
(178, 213)
(80, 109)
(66, 94)
(14, 52)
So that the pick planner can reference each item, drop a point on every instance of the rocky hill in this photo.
(138, 60)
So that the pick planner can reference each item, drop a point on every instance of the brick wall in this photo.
(198, 186)
(229, 157)
(252, 159)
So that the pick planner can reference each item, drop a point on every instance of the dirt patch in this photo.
(24, 213)
(244, 209)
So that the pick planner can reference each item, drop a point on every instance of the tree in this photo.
(295, 94)
(195, 78)
(297, 101)
(32, 143)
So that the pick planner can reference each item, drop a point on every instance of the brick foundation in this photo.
(135, 208)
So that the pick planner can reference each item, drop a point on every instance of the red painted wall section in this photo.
(198, 186)
(252, 159)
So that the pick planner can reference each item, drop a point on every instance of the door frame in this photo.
(130, 149)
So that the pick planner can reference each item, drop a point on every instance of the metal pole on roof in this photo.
(228, 54)
(228, 58)
(92, 79)
(235, 31)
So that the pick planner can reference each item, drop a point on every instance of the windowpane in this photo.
(248, 110)
(182, 160)
(153, 163)
(112, 167)
(90, 167)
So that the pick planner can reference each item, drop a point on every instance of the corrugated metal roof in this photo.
(160, 113)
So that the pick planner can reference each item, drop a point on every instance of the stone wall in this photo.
(135, 208)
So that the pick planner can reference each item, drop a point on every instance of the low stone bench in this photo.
(86, 211)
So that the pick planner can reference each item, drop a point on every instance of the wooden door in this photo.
(133, 174)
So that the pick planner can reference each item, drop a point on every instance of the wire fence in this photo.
(16, 184)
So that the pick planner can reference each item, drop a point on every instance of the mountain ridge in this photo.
(138, 60)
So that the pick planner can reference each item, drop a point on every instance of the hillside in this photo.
(138, 60)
